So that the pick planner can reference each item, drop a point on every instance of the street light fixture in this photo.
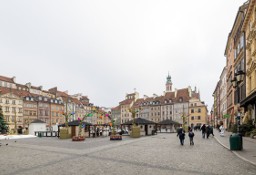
(240, 76)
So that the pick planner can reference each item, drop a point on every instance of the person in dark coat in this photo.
(208, 131)
(211, 130)
(179, 131)
(181, 134)
(203, 129)
(191, 136)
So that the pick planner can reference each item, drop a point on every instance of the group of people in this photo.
(181, 135)
(206, 132)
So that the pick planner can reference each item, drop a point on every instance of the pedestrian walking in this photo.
(191, 137)
(211, 130)
(222, 131)
(181, 135)
(203, 129)
(208, 131)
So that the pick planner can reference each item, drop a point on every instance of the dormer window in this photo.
(32, 99)
(180, 99)
(27, 98)
(170, 101)
(45, 99)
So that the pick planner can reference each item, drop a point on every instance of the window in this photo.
(191, 105)
(199, 110)
(242, 41)
(192, 118)
(7, 101)
(13, 110)
(242, 64)
(195, 104)
(0, 100)
(13, 102)
(7, 109)
(199, 117)
(192, 110)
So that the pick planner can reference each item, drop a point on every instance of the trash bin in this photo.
(236, 142)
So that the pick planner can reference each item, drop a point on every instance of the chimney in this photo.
(189, 91)
(145, 97)
(154, 95)
(41, 87)
(28, 85)
(14, 79)
(164, 93)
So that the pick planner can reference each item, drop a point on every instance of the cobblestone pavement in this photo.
(159, 154)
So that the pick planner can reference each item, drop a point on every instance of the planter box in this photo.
(78, 138)
(135, 132)
(64, 134)
(115, 137)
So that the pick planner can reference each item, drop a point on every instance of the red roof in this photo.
(10, 80)
(117, 108)
(16, 92)
(126, 102)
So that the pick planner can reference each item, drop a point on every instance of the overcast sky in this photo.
(106, 48)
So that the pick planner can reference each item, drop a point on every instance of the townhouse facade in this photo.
(241, 70)
(172, 105)
(197, 113)
(249, 28)
(22, 104)
(12, 107)
(223, 97)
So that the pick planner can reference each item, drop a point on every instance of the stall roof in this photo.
(139, 121)
(168, 122)
(74, 123)
(37, 121)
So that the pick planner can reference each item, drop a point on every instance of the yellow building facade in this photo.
(249, 27)
(197, 113)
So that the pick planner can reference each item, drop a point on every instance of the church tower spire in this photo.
(168, 84)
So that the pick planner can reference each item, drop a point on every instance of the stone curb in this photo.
(235, 152)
